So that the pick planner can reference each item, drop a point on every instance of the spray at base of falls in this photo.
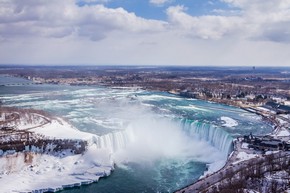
(157, 130)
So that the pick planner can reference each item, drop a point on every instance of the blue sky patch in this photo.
(145, 9)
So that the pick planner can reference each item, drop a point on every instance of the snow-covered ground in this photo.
(245, 146)
(24, 172)
(229, 122)
(266, 110)
(242, 156)
(283, 132)
(60, 129)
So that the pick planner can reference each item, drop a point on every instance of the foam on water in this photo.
(229, 122)
(192, 107)
(158, 97)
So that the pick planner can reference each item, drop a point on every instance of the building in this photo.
(266, 143)
(279, 109)
(2, 117)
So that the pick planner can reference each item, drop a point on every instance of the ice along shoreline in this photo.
(64, 168)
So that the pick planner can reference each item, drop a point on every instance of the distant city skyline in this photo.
(145, 32)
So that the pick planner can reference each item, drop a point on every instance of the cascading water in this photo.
(214, 135)
(149, 136)
(113, 141)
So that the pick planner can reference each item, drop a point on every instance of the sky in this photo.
(145, 32)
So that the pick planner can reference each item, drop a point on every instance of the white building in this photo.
(2, 117)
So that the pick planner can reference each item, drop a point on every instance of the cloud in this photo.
(264, 19)
(254, 19)
(93, 1)
(59, 19)
(64, 18)
(205, 27)
(159, 2)
(246, 32)
(260, 5)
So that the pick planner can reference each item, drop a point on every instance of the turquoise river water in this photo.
(175, 139)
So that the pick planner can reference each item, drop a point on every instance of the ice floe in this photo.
(229, 122)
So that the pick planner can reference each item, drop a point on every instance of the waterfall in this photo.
(113, 141)
(212, 134)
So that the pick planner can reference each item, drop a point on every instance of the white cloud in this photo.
(256, 20)
(159, 2)
(205, 27)
(260, 5)
(254, 32)
(265, 19)
(93, 1)
(56, 18)
(64, 18)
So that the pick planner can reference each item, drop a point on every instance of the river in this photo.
(167, 143)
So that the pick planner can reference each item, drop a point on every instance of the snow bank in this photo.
(242, 156)
(45, 172)
(283, 132)
(26, 172)
(282, 122)
(229, 122)
(266, 110)
(213, 167)
(60, 129)
(245, 146)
